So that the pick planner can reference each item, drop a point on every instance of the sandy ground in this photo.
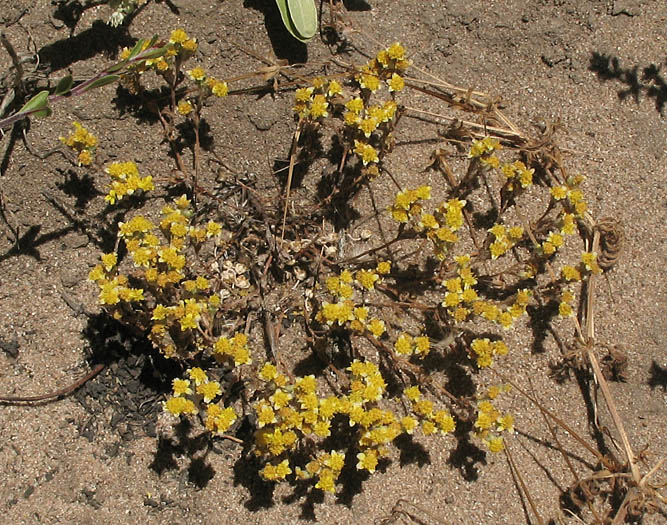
(598, 66)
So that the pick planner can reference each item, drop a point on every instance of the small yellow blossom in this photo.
(181, 387)
(396, 82)
(209, 390)
(197, 74)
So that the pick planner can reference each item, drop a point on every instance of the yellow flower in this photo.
(190, 45)
(367, 460)
(497, 249)
(209, 390)
(590, 261)
(181, 387)
(220, 89)
(367, 278)
(570, 273)
(368, 125)
(369, 81)
(356, 105)
(268, 372)
(376, 327)
(318, 107)
(109, 260)
(396, 82)
(197, 375)
(184, 107)
(495, 444)
(367, 152)
(559, 192)
(444, 421)
(428, 427)
(197, 74)
(422, 344)
(396, 51)
(326, 481)
(85, 158)
(180, 405)
(565, 310)
(403, 344)
(334, 88)
(178, 36)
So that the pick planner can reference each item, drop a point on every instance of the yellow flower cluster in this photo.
(125, 180)
(184, 400)
(367, 124)
(517, 171)
(345, 310)
(432, 420)
(587, 264)
(407, 203)
(439, 227)
(181, 41)
(83, 142)
(572, 198)
(181, 306)
(292, 413)
(235, 349)
(590, 262)
(462, 300)
(113, 286)
(407, 345)
(327, 467)
(565, 307)
(505, 239)
(485, 350)
(313, 102)
(490, 422)
(484, 151)
(387, 66)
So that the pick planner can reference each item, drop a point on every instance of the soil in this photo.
(102, 455)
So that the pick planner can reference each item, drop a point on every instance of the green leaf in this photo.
(46, 112)
(155, 53)
(304, 17)
(152, 42)
(109, 79)
(288, 21)
(117, 67)
(39, 101)
(64, 85)
(136, 49)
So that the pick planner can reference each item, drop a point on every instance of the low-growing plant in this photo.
(459, 266)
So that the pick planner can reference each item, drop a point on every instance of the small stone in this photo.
(70, 277)
(626, 7)
(75, 240)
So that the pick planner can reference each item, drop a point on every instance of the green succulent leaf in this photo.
(304, 17)
(299, 18)
(39, 101)
(64, 85)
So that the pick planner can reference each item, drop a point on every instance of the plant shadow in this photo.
(647, 81)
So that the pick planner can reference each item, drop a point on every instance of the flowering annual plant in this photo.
(195, 282)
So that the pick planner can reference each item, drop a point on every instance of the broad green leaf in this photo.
(46, 112)
(64, 85)
(304, 17)
(287, 20)
(109, 79)
(39, 101)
